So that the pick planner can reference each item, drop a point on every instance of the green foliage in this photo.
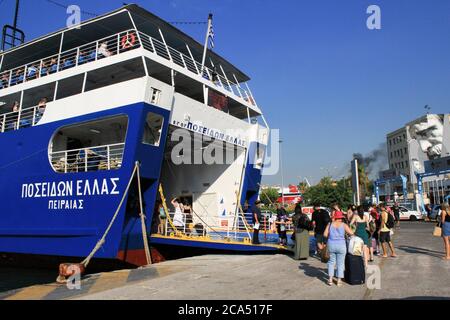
(269, 195)
(328, 192)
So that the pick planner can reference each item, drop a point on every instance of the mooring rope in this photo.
(102, 240)
(143, 217)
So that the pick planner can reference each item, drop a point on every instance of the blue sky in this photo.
(332, 86)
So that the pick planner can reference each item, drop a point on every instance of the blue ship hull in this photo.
(60, 219)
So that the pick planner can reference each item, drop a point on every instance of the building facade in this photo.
(410, 147)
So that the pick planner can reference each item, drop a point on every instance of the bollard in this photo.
(69, 269)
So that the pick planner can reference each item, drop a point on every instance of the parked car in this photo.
(412, 215)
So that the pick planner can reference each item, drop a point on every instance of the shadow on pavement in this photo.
(314, 272)
(416, 250)
(422, 298)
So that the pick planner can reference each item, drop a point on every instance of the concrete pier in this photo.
(418, 272)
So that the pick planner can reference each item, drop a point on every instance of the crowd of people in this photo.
(373, 225)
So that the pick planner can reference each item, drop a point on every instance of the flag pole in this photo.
(206, 42)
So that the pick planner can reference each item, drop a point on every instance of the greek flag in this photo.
(211, 37)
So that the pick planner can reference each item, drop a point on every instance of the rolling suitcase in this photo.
(355, 272)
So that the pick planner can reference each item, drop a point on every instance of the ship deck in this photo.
(215, 244)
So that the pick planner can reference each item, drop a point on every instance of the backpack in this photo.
(304, 223)
(390, 223)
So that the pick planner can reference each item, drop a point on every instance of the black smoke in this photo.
(375, 161)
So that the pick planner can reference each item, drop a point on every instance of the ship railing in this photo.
(163, 50)
(113, 45)
(192, 227)
(105, 157)
(24, 118)
(93, 51)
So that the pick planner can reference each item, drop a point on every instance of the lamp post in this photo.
(282, 177)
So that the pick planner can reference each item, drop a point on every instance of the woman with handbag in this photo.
(445, 219)
(335, 232)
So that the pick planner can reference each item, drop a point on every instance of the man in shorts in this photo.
(385, 234)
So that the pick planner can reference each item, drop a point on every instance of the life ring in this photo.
(128, 40)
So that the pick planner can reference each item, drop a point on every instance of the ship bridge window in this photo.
(89, 146)
(153, 128)
(116, 73)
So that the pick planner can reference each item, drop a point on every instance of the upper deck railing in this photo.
(92, 51)
(117, 44)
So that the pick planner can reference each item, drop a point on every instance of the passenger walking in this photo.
(256, 214)
(280, 212)
(385, 232)
(337, 247)
(445, 216)
(162, 219)
(320, 220)
(376, 218)
(428, 211)
(362, 224)
(282, 221)
(302, 227)
(178, 217)
(396, 210)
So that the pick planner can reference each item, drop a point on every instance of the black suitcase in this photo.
(355, 272)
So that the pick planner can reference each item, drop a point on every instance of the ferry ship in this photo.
(81, 106)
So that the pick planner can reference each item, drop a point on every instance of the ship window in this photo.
(153, 129)
(116, 73)
(70, 86)
(31, 97)
(156, 94)
(7, 102)
(89, 146)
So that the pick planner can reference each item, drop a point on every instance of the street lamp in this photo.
(282, 178)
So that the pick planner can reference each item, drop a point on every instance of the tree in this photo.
(328, 192)
(269, 196)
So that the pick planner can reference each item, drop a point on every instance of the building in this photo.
(398, 152)
(290, 194)
(410, 147)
